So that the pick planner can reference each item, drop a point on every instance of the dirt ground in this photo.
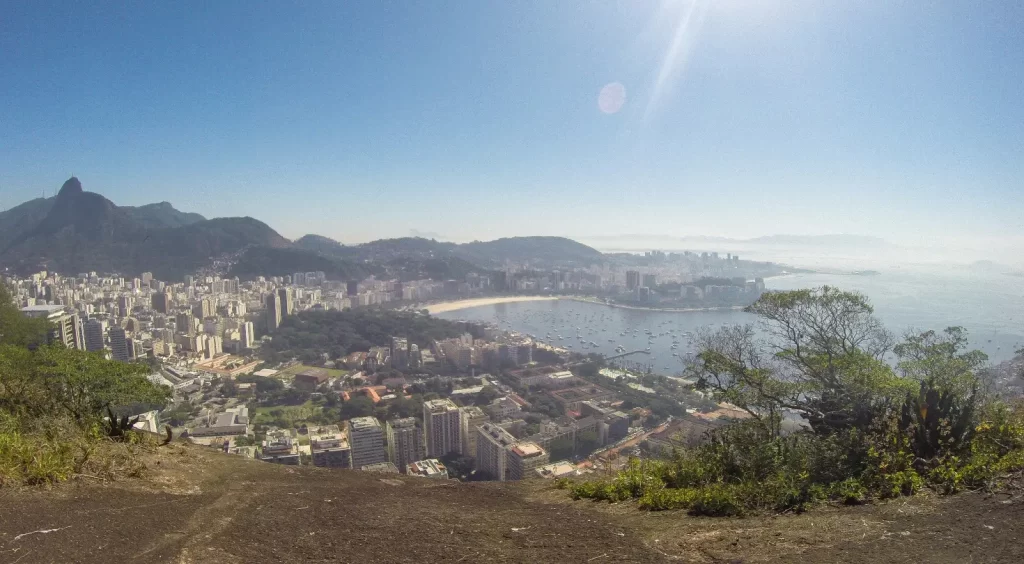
(194, 505)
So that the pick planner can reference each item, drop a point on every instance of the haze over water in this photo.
(990, 306)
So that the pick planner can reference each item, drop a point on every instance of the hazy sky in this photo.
(481, 119)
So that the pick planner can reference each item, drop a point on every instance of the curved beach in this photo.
(477, 302)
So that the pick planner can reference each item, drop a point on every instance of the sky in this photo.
(483, 119)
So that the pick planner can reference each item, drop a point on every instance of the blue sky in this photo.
(480, 119)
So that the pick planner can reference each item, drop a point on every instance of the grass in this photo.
(291, 371)
(293, 414)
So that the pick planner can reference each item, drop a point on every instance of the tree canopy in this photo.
(16, 328)
(310, 334)
(819, 354)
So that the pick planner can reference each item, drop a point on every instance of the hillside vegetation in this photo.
(869, 429)
(62, 410)
(310, 334)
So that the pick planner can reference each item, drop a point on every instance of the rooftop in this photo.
(527, 450)
(405, 423)
(557, 469)
(439, 406)
(42, 308)
(430, 468)
(364, 423)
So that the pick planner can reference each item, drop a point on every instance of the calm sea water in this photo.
(990, 306)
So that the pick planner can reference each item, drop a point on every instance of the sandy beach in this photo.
(463, 304)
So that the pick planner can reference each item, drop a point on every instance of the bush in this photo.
(34, 458)
(744, 468)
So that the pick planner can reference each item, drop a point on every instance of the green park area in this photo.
(291, 371)
(286, 416)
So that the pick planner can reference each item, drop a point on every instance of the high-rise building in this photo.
(299, 278)
(329, 447)
(119, 344)
(162, 301)
(207, 307)
(523, 458)
(632, 279)
(492, 450)
(214, 346)
(352, 287)
(441, 427)
(366, 439)
(287, 302)
(95, 329)
(124, 306)
(248, 334)
(135, 348)
(405, 442)
(186, 322)
(470, 418)
(650, 280)
(147, 277)
(66, 328)
(213, 326)
(399, 354)
(273, 311)
(415, 359)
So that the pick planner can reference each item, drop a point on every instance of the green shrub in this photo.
(850, 492)
(33, 459)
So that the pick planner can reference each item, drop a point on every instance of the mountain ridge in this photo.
(77, 230)
(83, 231)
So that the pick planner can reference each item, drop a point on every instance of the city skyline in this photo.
(735, 119)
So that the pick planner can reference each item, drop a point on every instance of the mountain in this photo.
(162, 214)
(711, 243)
(831, 240)
(549, 250)
(78, 231)
(319, 244)
(83, 231)
(271, 261)
(22, 218)
(484, 255)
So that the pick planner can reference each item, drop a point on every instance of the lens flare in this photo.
(612, 98)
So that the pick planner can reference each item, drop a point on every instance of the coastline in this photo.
(444, 307)
(661, 309)
(455, 305)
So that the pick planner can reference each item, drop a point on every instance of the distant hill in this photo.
(319, 244)
(78, 231)
(483, 255)
(833, 240)
(409, 258)
(83, 231)
(713, 243)
(22, 218)
(271, 261)
(551, 250)
(162, 214)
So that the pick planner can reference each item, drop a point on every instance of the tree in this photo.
(942, 358)
(821, 358)
(16, 328)
(356, 407)
(486, 396)
(459, 466)
(586, 443)
(561, 449)
(79, 384)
